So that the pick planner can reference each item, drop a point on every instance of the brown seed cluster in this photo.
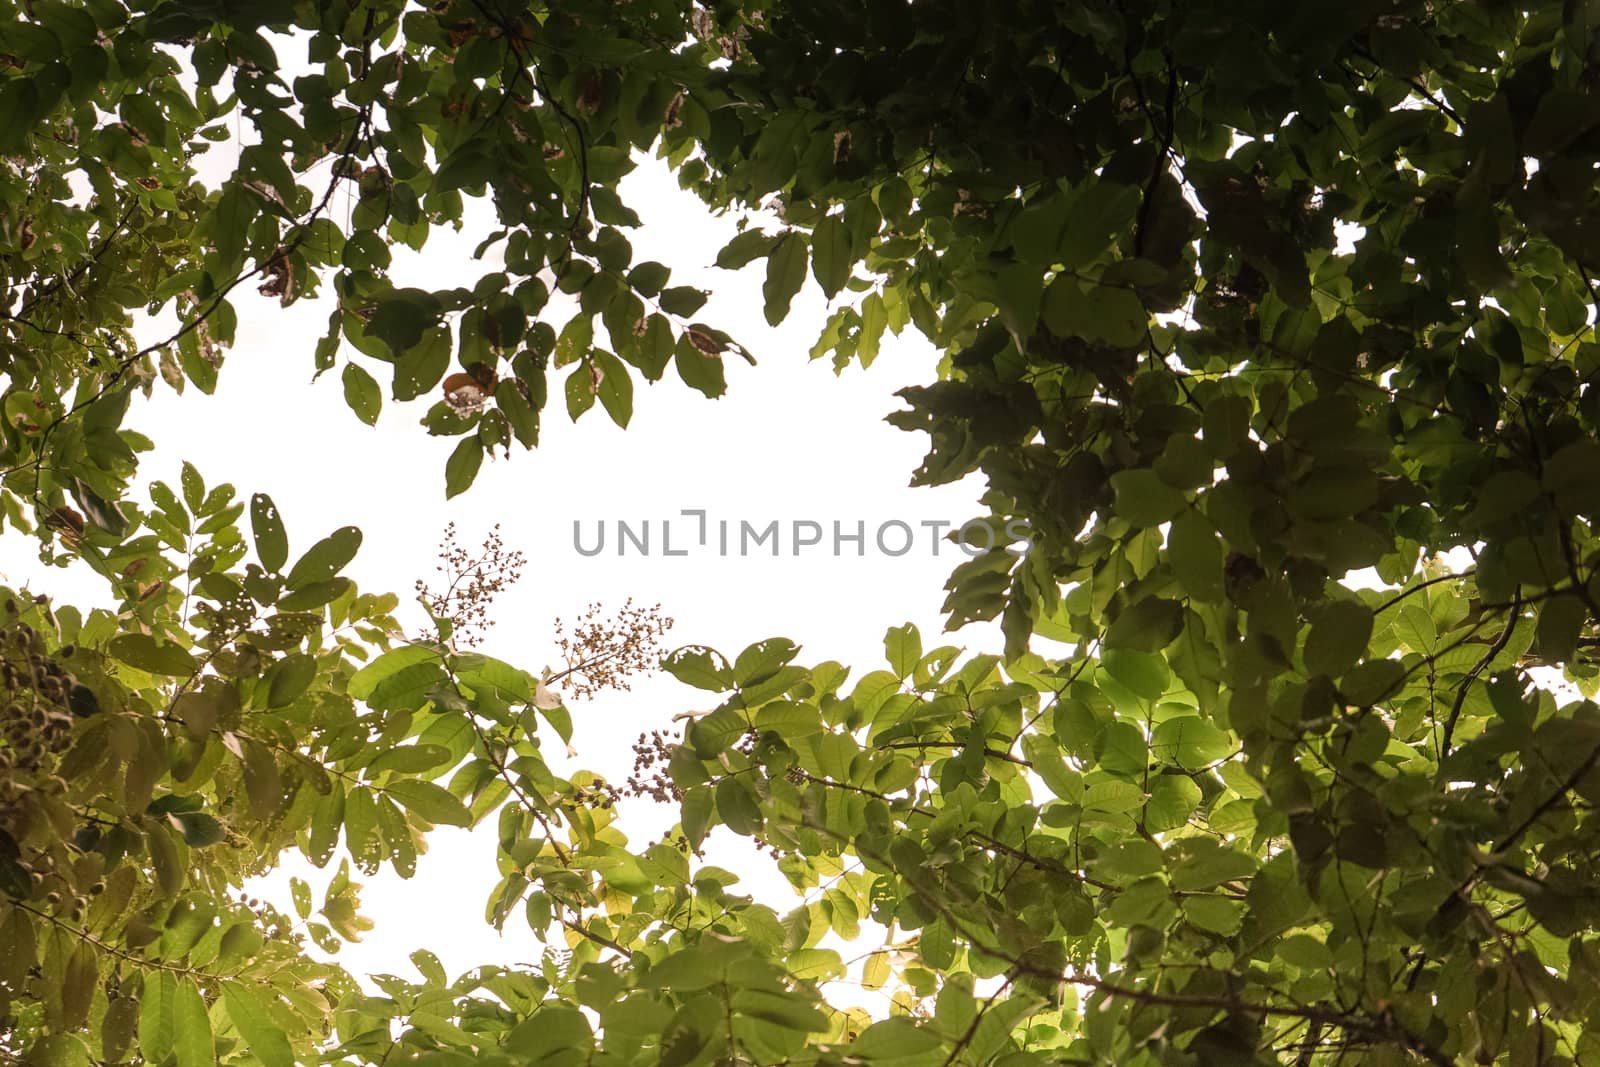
(270, 921)
(38, 697)
(603, 653)
(601, 795)
(650, 778)
(36, 716)
(471, 581)
(678, 841)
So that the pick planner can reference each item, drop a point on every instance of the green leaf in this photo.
(815, 964)
(1107, 313)
(518, 410)
(401, 320)
(760, 661)
(786, 273)
(1051, 768)
(893, 1039)
(1416, 629)
(78, 981)
(462, 467)
(199, 830)
(652, 350)
(1144, 673)
(1372, 682)
(1190, 742)
(1502, 496)
(468, 166)
(192, 485)
(685, 971)
(583, 385)
(1305, 952)
(903, 646)
(389, 666)
(1560, 621)
(554, 1029)
(1143, 498)
(419, 370)
(1148, 625)
(191, 1027)
(1195, 552)
(1097, 214)
(326, 819)
(314, 596)
(430, 801)
(746, 247)
(648, 278)
(697, 810)
(682, 300)
(58, 1050)
(616, 387)
(362, 839)
(117, 1030)
(1018, 292)
(1112, 797)
(485, 673)
(326, 558)
(288, 678)
(362, 393)
(698, 370)
(831, 256)
(148, 654)
(101, 512)
(157, 1017)
(1339, 634)
(737, 808)
(1120, 748)
(1218, 914)
(791, 1011)
(240, 943)
(1173, 799)
(874, 320)
(575, 341)
(266, 524)
(1200, 863)
(1569, 476)
(231, 218)
(410, 759)
(266, 1041)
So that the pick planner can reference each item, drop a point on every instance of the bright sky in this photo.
(789, 441)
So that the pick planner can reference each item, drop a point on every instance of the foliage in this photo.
(1262, 318)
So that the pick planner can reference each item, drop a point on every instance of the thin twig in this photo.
(1477, 669)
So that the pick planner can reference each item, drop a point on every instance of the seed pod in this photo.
(83, 701)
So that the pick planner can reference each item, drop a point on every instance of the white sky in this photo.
(788, 441)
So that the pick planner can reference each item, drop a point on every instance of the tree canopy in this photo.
(1272, 323)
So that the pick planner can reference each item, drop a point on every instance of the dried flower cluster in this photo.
(471, 583)
(603, 653)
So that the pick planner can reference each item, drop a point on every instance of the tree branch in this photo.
(1477, 669)
(1162, 157)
